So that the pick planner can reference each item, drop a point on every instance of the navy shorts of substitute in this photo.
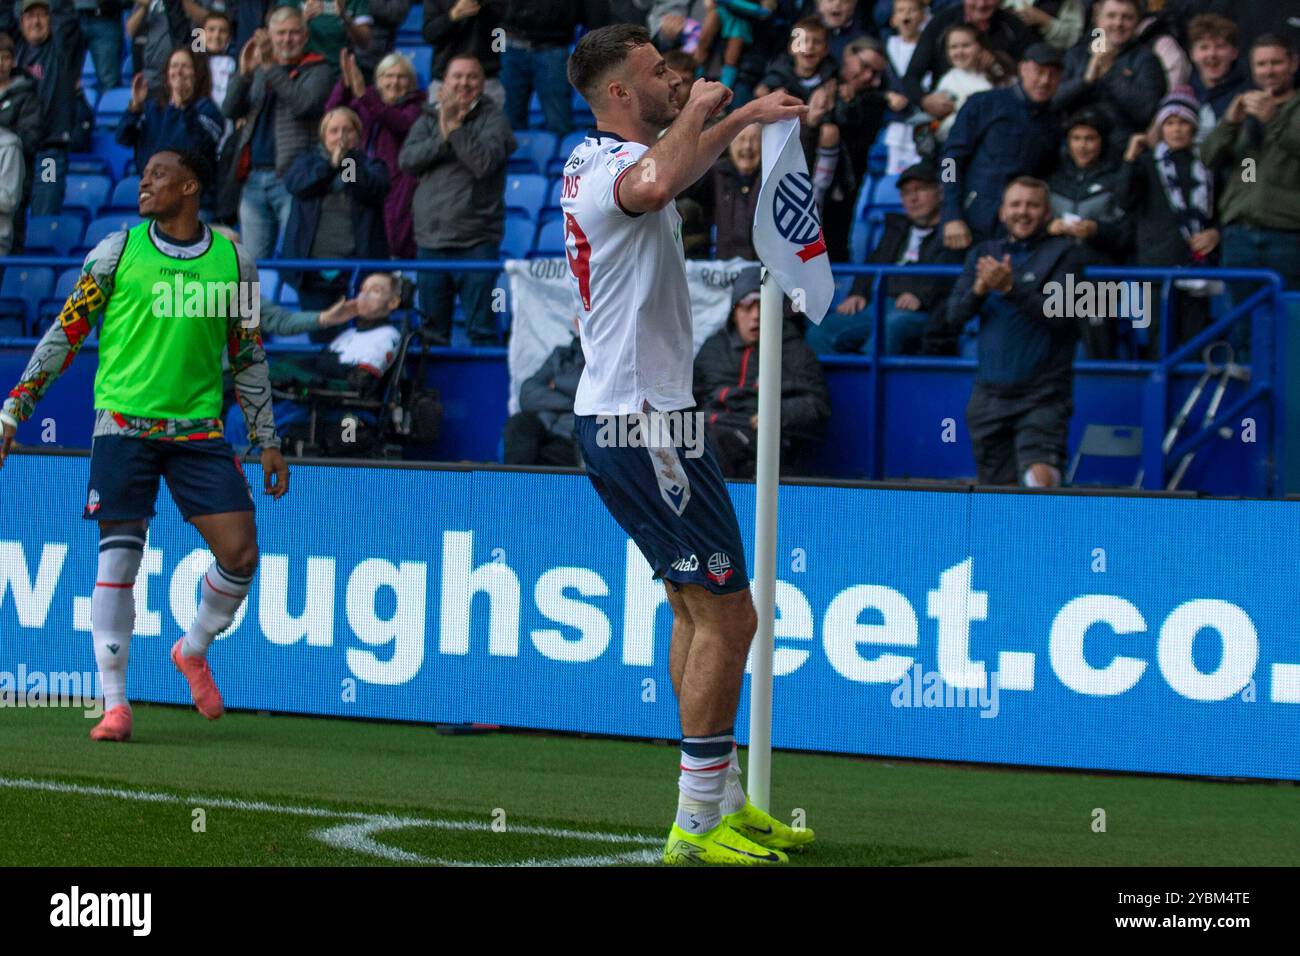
(204, 477)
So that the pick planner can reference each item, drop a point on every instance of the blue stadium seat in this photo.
(536, 118)
(877, 159)
(885, 192)
(112, 104)
(88, 191)
(52, 304)
(288, 296)
(518, 239)
(105, 226)
(13, 321)
(526, 192)
(550, 239)
(553, 197)
(106, 155)
(422, 58)
(28, 283)
(534, 150)
(126, 195)
(57, 234)
(411, 32)
(21, 291)
(268, 281)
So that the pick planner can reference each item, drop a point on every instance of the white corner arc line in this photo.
(358, 835)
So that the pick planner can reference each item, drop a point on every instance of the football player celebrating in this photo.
(168, 296)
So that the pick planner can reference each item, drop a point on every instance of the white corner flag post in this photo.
(788, 240)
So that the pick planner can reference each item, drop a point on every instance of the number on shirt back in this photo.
(578, 251)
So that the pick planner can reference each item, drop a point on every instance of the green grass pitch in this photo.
(277, 790)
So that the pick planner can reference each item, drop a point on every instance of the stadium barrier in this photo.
(915, 406)
(1050, 629)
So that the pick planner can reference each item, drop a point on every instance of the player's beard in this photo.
(659, 115)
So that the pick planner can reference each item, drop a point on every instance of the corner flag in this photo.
(789, 242)
(787, 226)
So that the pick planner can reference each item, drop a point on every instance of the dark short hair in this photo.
(1213, 26)
(198, 163)
(809, 25)
(216, 15)
(1135, 4)
(461, 56)
(600, 51)
(1273, 39)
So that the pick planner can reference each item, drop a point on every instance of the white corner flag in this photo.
(787, 226)
(789, 242)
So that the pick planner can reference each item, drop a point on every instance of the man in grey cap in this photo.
(910, 238)
(999, 135)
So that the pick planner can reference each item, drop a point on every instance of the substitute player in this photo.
(623, 239)
(169, 295)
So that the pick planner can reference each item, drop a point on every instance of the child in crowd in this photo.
(216, 41)
(808, 71)
(908, 20)
(734, 20)
(974, 70)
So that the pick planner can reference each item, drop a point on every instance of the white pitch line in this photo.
(357, 836)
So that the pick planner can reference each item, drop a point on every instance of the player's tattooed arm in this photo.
(63, 340)
(248, 368)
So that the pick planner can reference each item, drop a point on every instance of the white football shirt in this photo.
(628, 274)
(373, 348)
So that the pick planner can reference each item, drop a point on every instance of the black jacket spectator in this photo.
(1159, 237)
(541, 433)
(460, 200)
(471, 35)
(159, 28)
(543, 22)
(1021, 344)
(55, 66)
(1127, 95)
(780, 74)
(933, 291)
(314, 183)
(387, 17)
(1007, 33)
(20, 112)
(1091, 193)
(998, 135)
(728, 199)
(726, 393)
(1258, 17)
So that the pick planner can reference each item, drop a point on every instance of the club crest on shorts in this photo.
(92, 502)
(719, 567)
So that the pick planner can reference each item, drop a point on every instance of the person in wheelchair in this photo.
(358, 358)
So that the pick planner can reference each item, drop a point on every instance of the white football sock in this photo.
(223, 592)
(733, 798)
(112, 612)
(828, 157)
(705, 762)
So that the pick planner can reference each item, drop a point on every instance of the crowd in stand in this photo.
(1150, 132)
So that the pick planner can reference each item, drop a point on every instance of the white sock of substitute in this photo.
(733, 797)
(223, 592)
(705, 761)
(828, 157)
(112, 612)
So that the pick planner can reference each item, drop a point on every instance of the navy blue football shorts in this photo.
(672, 501)
(204, 478)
